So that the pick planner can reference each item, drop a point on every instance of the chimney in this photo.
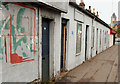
(90, 8)
(82, 4)
(82, 1)
(97, 14)
(93, 10)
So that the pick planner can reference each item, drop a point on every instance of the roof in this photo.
(113, 15)
(43, 3)
(87, 12)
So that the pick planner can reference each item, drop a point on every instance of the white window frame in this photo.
(93, 37)
(78, 53)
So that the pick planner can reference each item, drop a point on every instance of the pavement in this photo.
(102, 68)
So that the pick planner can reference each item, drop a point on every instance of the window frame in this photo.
(100, 37)
(93, 37)
(78, 23)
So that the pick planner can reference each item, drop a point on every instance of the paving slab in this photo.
(102, 68)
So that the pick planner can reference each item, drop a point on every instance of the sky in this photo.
(105, 8)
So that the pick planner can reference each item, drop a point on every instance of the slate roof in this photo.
(113, 15)
(87, 12)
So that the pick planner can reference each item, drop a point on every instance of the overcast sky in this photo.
(105, 8)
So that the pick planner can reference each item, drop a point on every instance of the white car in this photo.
(117, 40)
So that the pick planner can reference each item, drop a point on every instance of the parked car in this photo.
(117, 39)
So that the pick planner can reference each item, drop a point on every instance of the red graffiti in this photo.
(18, 59)
(34, 19)
(14, 58)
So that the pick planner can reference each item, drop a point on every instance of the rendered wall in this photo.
(111, 40)
(19, 49)
(119, 11)
(0, 45)
(73, 15)
(59, 4)
(55, 41)
(19, 38)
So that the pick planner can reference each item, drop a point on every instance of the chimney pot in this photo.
(90, 8)
(97, 14)
(93, 10)
(82, 4)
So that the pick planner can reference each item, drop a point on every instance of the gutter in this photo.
(87, 12)
(38, 2)
(41, 2)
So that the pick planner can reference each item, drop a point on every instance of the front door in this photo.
(86, 42)
(45, 49)
(97, 42)
(63, 44)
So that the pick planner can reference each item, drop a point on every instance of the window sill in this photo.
(78, 54)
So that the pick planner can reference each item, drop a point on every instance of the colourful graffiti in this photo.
(1, 49)
(18, 30)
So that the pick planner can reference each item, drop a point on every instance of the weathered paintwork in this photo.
(19, 43)
(18, 33)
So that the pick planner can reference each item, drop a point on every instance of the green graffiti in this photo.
(32, 50)
(15, 38)
(0, 4)
(7, 25)
(19, 17)
(18, 43)
(24, 54)
(0, 26)
(1, 50)
(21, 48)
(6, 6)
(26, 46)
(19, 22)
(1, 23)
(22, 30)
(1, 58)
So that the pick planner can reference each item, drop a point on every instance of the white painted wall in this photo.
(119, 11)
(26, 72)
(111, 41)
(29, 71)
(0, 44)
(55, 41)
(73, 60)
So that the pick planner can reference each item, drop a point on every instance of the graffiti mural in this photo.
(19, 33)
(1, 49)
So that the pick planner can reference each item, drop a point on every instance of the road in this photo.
(102, 68)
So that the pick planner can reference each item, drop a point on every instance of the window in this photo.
(105, 37)
(113, 19)
(79, 38)
(100, 37)
(93, 32)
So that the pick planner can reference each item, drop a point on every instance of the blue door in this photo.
(45, 49)
(86, 41)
